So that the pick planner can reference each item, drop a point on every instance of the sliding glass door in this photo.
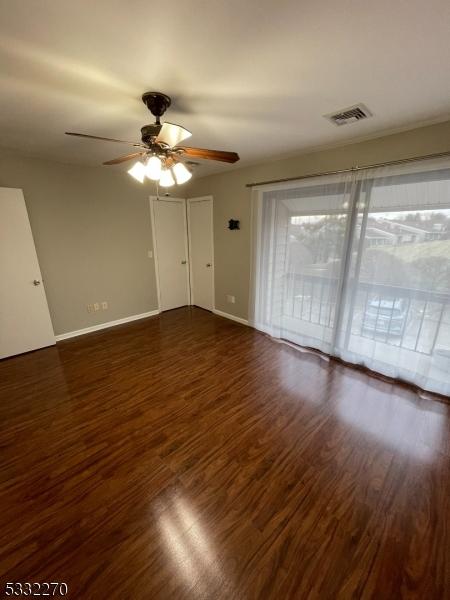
(359, 267)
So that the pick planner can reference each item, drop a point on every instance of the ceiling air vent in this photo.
(349, 115)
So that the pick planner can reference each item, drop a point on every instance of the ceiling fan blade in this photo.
(121, 159)
(229, 157)
(172, 134)
(103, 139)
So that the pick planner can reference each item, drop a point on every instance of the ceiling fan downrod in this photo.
(157, 103)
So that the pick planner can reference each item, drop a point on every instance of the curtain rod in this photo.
(351, 169)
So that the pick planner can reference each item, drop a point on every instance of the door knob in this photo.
(208, 264)
(183, 262)
(36, 282)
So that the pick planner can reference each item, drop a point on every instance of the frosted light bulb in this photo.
(166, 178)
(153, 168)
(181, 173)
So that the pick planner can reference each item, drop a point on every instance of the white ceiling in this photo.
(253, 76)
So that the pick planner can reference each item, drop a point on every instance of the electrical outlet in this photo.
(150, 254)
(89, 308)
(96, 306)
(104, 305)
(231, 299)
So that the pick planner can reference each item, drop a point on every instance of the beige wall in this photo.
(92, 232)
(232, 198)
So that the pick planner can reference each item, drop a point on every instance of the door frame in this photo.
(152, 200)
(188, 206)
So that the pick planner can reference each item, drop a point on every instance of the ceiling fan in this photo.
(159, 153)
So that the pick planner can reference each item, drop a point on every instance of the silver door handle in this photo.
(36, 282)
(208, 264)
(183, 262)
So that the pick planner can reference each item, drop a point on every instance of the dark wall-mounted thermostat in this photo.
(232, 224)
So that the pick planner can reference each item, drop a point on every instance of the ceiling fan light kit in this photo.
(153, 169)
(161, 156)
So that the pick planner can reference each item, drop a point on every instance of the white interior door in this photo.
(201, 251)
(171, 251)
(24, 317)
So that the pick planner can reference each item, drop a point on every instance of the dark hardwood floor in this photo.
(186, 456)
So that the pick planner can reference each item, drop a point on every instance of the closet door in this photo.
(171, 251)
(200, 225)
(24, 316)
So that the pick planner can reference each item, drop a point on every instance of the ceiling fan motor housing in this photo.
(149, 132)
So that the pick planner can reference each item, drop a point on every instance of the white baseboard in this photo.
(228, 316)
(71, 334)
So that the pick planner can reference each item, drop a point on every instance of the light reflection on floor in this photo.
(400, 421)
(406, 424)
(190, 548)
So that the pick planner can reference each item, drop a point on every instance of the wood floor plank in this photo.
(187, 456)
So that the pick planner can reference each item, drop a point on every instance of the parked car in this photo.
(385, 316)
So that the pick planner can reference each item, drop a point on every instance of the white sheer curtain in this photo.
(358, 266)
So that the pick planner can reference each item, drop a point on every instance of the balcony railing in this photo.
(398, 316)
